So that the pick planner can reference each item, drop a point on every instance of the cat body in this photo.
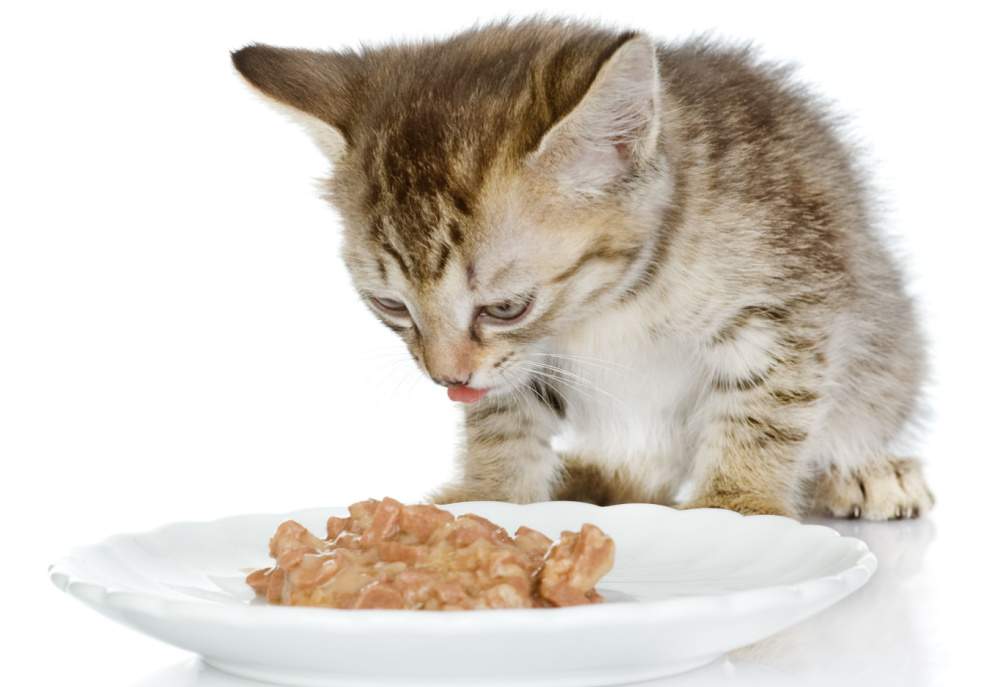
(640, 265)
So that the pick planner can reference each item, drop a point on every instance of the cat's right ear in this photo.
(614, 125)
(313, 88)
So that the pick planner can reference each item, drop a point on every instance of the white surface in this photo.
(686, 587)
(178, 340)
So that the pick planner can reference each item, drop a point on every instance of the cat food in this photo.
(420, 557)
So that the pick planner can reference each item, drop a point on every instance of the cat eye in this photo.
(506, 311)
(390, 306)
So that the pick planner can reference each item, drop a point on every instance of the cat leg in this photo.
(586, 480)
(757, 417)
(507, 455)
(884, 489)
(750, 466)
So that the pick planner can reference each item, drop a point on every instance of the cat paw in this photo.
(892, 489)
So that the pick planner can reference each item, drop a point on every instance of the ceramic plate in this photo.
(687, 586)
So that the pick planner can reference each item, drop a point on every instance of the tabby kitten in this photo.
(638, 265)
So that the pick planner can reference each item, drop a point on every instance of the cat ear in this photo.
(313, 88)
(614, 126)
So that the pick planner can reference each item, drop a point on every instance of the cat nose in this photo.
(447, 362)
(451, 381)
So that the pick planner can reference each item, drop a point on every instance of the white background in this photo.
(179, 340)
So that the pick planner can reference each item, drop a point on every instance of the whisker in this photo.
(391, 371)
(580, 359)
(555, 388)
(519, 397)
(536, 393)
(578, 356)
(571, 378)
(377, 355)
(561, 370)
(571, 383)
(569, 374)
(404, 378)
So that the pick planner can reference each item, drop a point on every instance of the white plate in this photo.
(687, 586)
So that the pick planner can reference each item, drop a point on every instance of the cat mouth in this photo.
(466, 394)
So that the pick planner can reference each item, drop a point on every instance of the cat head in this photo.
(497, 187)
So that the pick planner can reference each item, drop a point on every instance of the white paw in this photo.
(890, 489)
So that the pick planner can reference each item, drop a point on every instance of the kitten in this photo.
(638, 265)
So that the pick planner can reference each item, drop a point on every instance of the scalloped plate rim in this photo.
(63, 577)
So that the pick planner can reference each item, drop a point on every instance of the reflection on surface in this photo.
(878, 633)
(194, 673)
(874, 634)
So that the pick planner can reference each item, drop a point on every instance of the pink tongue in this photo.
(465, 394)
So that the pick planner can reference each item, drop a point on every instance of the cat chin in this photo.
(497, 390)
(509, 386)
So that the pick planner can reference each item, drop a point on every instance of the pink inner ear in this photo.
(622, 149)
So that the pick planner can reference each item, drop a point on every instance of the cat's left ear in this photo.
(612, 128)
(316, 89)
